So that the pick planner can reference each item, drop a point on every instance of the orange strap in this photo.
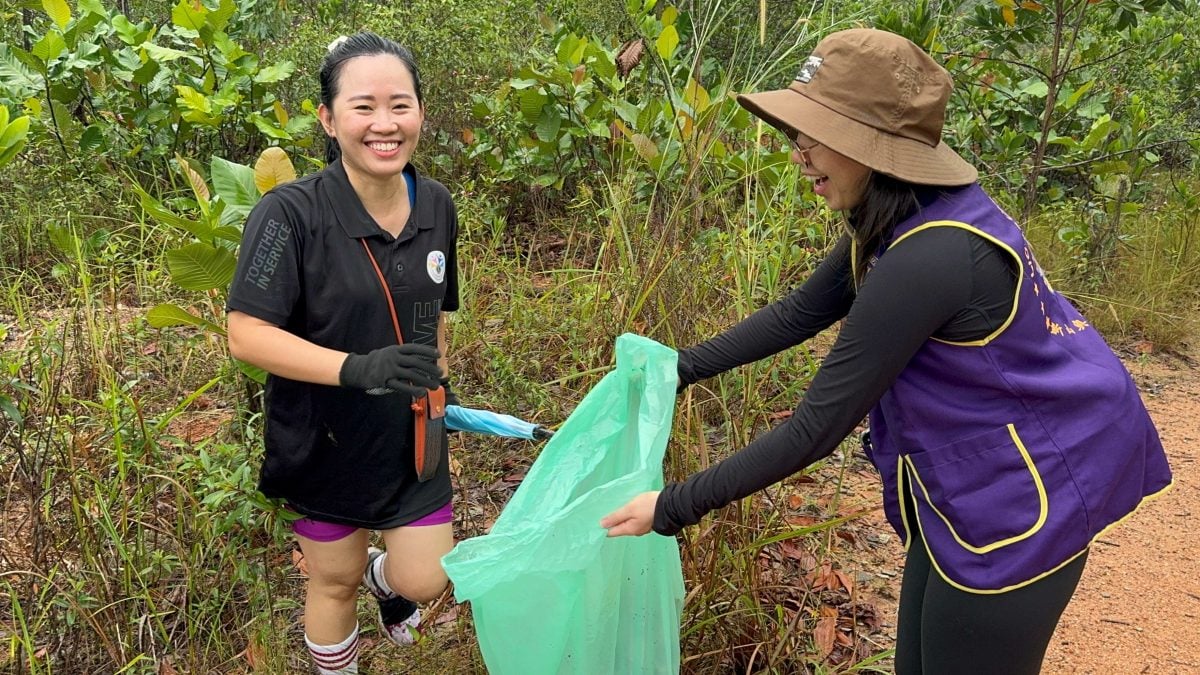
(386, 293)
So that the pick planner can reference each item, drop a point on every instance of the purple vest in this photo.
(1020, 448)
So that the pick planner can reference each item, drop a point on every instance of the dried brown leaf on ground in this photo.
(825, 633)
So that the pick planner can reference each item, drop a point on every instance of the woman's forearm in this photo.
(281, 353)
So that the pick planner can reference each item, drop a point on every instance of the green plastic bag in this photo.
(550, 593)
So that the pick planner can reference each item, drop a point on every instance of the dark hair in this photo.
(885, 202)
(359, 44)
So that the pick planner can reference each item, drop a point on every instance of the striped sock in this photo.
(374, 578)
(339, 659)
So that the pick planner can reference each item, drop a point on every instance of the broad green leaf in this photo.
(50, 46)
(164, 215)
(201, 267)
(268, 128)
(234, 183)
(260, 376)
(602, 62)
(1036, 88)
(570, 48)
(93, 7)
(1084, 88)
(16, 77)
(13, 137)
(669, 14)
(162, 53)
(600, 129)
(168, 315)
(10, 410)
(273, 168)
(544, 180)
(8, 153)
(58, 11)
(229, 234)
(275, 73)
(28, 60)
(666, 43)
(548, 124)
(189, 15)
(91, 140)
(299, 126)
(627, 111)
(13, 131)
(532, 101)
(193, 99)
(1100, 130)
(3, 117)
(219, 19)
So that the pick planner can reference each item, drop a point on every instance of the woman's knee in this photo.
(419, 582)
(335, 568)
(414, 562)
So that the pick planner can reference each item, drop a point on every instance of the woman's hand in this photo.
(634, 519)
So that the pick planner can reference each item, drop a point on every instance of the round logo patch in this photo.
(435, 264)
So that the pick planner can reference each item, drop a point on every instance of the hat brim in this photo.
(790, 111)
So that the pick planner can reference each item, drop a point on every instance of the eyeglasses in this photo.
(803, 144)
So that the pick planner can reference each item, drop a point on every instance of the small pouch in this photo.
(429, 433)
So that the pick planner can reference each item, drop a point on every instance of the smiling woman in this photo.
(349, 325)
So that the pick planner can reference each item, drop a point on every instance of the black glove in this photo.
(451, 397)
(408, 368)
(684, 370)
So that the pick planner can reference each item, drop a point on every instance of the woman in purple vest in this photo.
(1007, 433)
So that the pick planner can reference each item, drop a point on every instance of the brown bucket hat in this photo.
(874, 97)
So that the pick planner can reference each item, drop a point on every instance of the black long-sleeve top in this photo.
(943, 282)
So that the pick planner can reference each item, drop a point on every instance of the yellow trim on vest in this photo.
(900, 477)
(854, 263)
(1043, 502)
(1043, 575)
(1021, 271)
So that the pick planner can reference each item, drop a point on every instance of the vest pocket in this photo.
(986, 488)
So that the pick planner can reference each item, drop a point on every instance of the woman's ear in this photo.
(326, 116)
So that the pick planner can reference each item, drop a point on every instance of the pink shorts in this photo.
(319, 530)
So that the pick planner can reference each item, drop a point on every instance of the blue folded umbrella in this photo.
(495, 424)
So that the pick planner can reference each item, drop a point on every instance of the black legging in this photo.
(942, 630)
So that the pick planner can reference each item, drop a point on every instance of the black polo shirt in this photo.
(336, 454)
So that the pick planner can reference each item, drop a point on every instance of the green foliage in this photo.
(1039, 109)
(652, 107)
(12, 135)
(206, 263)
(98, 83)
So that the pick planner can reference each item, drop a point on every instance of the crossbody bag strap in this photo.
(386, 293)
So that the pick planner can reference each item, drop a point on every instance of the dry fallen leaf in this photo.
(826, 632)
(845, 579)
